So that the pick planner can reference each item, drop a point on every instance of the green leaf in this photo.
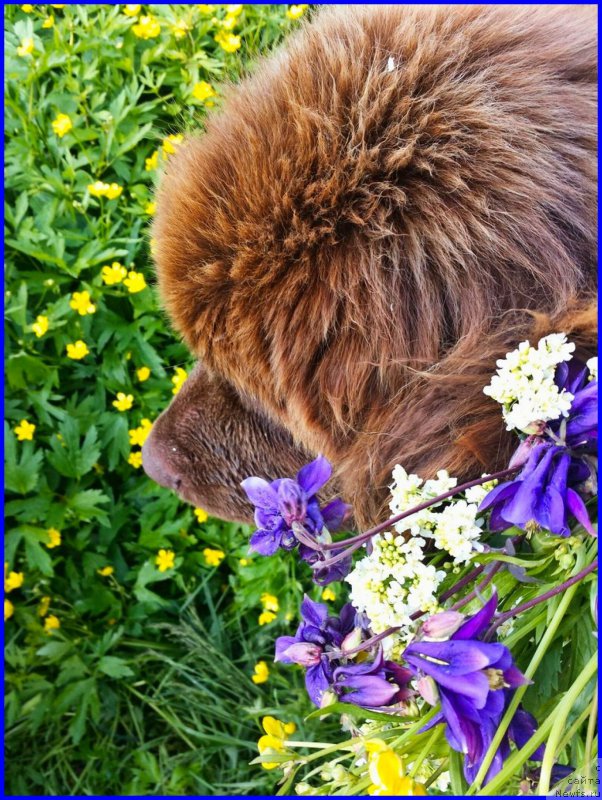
(115, 667)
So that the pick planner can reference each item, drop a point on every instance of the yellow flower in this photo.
(266, 617)
(27, 8)
(54, 538)
(123, 402)
(40, 326)
(58, 6)
(274, 741)
(135, 282)
(25, 431)
(178, 379)
(51, 623)
(77, 350)
(147, 28)
(139, 435)
(131, 10)
(9, 609)
(201, 515)
(386, 771)
(113, 191)
(227, 41)
(106, 571)
(151, 162)
(180, 29)
(62, 124)
(213, 558)
(98, 188)
(150, 208)
(205, 9)
(228, 22)
(135, 459)
(44, 606)
(165, 560)
(12, 580)
(113, 274)
(244, 562)
(48, 22)
(269, 602)
(82, 303)
(171, 142)
(203, 91)
(26, 47)
(143, 374)
(294, 12)
(261, 672)
(328, 594)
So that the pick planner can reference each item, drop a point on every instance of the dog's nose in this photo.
(157, 466)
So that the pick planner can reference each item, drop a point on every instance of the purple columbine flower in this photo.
(317, 646)
(474, 682)
(285, 503)
(557, 466)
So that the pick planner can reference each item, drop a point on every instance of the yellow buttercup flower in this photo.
(113, 191)
(123, 402)
(48, 22)
(203, 91)
(227, 41)
(40, 326)
(26, 47)
(150, 208)
(12, 580)
(294, 12)
(9, 609)
(180, 29)
(201, 515)
(25, 431)
(244, 562)
(205, 9)
(77, 350)
(328, 594)
(274, 740)
(151, 162)
(62, 124)
(27, 8)
(106, 571)
(82, 303)
(229, 22)
(51, 623)
(234, 8)
(178, 379)
(165, 560)
(266, 617)
(135, 282)
(54, 538)
(44, 606)
(135, 459)
(213, 558)
(170, 143)
(386, 771)
(139, 435)
(132, 10)
(147, 28)
(143, 374)
(113, 274)
(98, 188)
(269, 602)
(261, 672)
(58, 6)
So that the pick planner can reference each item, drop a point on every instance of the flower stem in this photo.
(478, 589)
(352, 544)
(462, 583)
(542, 597)
(367, 644)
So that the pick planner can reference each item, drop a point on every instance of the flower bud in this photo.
(304, 653)
(428, 689)
(443, 625)
(523, 451)
(328, 698)
(351, 641)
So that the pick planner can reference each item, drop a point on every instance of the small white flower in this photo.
(592, 365)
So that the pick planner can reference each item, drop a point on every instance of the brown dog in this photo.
(390, 203)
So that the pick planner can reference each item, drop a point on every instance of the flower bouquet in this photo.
(464, 661)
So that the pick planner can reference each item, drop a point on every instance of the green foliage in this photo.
(146, 685)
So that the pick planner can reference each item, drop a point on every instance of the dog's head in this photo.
(366, 224)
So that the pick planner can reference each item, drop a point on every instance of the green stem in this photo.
(589, 737)
(559, 720)
(425, 751)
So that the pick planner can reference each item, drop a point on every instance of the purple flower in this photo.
(317, 646)
(557, 467)
(474, 683)
(284, 504)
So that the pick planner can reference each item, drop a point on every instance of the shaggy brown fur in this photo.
(389, 204)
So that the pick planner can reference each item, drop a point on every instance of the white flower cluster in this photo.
(524, 384)
(592, 365)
